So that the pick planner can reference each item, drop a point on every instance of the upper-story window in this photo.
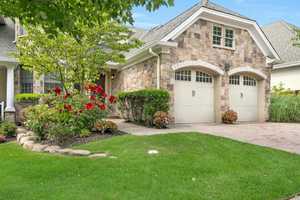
(223, 36)
(229, 37)
(217, 35)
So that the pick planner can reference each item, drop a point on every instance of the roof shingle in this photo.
(281, 35)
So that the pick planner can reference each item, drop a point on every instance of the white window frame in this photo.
(223, 37)
(235, 80)
(202, 77)
(233, 37)
(213, 35)
(183, 75)
(249, 81)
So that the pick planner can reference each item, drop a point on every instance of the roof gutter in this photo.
(157, 67)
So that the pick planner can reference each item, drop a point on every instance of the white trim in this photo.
(136, 62)
(198, 63)
(287, 65)
(2, 111)
(247, 70)
(250, 25)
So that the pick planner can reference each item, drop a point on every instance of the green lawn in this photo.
(189, 166)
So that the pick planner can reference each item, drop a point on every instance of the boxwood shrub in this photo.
(141, 105)
(285, 108)
(28, 97)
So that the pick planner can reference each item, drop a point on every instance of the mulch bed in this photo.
(7, 139)
(78, 140)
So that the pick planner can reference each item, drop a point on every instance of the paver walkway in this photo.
(281, 136)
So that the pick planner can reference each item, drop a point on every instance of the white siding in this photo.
(290, 77)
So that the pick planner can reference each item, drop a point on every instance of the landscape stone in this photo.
(65, 151)
(39, 147)
(19, 136)
(79, 152)
(24, 139)
(52, 149)
(28, 145)
(98, 155)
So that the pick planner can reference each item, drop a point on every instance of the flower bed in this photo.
(63, 117)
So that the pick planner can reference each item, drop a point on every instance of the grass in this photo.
(189, 166)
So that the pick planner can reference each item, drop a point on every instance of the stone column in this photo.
(218, 98)
(10, 110)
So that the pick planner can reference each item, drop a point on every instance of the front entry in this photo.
(194, 96)
(2, 84)
(243, 97)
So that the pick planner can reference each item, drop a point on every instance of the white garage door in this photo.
(194, 97)
(243, 97)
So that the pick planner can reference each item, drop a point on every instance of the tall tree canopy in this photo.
(66, 14)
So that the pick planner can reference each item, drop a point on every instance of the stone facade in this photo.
(196, 44)
(138, 76)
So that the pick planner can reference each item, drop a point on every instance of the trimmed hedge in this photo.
(28, 97)
(140, 106)
(285, 109)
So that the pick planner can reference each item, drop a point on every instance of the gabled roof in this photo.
(162, 33)
(159, 32)
(7, 37)
(281, 35)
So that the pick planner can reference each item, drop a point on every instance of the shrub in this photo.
(85, 133)
(58, 133)
(63, 116)
(229, 117)
(285, 109)
(161, 119)
(28, 97)
(140, 106)
(105, 126)
(8, 129)
(38, 117)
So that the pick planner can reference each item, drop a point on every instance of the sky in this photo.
(263, 11)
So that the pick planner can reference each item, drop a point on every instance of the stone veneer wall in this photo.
(138, 76)
(196, 44)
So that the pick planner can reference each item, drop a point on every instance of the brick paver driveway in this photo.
(276, 135)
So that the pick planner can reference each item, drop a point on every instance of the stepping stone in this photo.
(153, 152)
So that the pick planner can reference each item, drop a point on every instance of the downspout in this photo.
(157, 68)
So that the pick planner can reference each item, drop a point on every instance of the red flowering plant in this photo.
(75, 111)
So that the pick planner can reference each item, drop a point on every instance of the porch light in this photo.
(227, 67)
(113, 76)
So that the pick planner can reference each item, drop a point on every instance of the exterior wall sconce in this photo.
(227, 67)
(113, 76)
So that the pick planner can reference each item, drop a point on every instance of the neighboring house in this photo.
(209, 58)
(281, 35)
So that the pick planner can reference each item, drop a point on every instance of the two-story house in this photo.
(209, 58)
